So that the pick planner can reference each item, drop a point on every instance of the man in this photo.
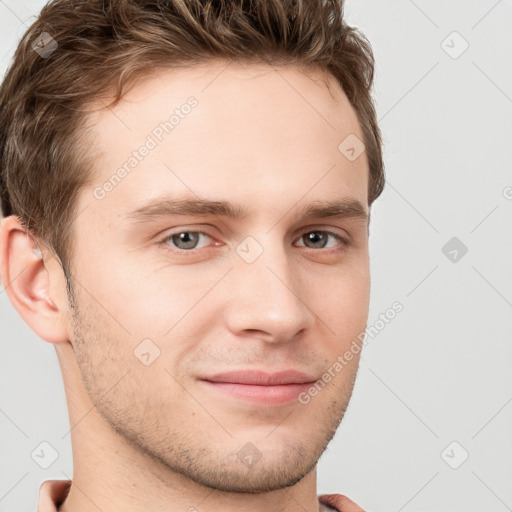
(186, 191)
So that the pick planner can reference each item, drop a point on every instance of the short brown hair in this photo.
(108, 44)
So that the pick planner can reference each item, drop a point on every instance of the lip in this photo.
(259, 387)
(262, 378)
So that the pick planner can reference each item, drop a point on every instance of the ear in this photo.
(26, 278)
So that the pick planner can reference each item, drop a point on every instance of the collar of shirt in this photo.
(52, 494)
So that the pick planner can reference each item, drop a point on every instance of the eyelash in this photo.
(192, 252)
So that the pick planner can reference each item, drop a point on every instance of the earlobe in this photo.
(26, 279)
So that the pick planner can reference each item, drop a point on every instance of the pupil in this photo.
(186, 238)
(315, 237)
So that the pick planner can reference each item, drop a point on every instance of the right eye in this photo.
(184, 241)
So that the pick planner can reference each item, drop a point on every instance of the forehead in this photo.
(226, 131)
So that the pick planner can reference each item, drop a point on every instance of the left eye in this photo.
(320, 242)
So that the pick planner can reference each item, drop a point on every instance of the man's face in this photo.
(158, 312)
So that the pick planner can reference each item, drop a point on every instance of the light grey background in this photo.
(440, 371)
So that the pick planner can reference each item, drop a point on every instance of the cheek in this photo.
(342, 302)
(142, 300)
(125, 393)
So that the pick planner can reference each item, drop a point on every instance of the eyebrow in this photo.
(200, 207)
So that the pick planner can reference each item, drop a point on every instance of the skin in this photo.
(153, 437)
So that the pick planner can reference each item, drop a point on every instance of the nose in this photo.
(268, 299)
